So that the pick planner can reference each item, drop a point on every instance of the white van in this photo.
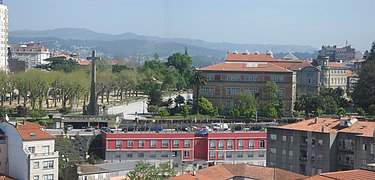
(221, 127)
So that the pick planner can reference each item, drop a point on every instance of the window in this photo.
(273, 150)
(129, 155)
(220, 155)
(212, 155)
(233, 78)
(364, 147)
(47, 164)
(281, 92)
(118, 143)
(45, 149)
(320, 142)
(186, 143)
(130, 143)
(250, 154)
(153, 143)
(186, 154)
(290, 153)
(32, 150)
(152, 155)
(251, 144)
(251, 78)
(261, 144)
(176, 143)
(277, 78)
(229, 144)
(36, 165)
(164, 143)
(284, 138)
(261, 154)
(232, 91)
(221, 144)
(229, 104)
(310, 80)
(229, 154)
(141, 143)
(239, 154)
(240, 144)
(252, 90)
(320, 171)
(291, 139)
(48, 177)
(141, 155)
(36, 177)
(164, 154)
(273, 137)
(284, 152)
(207, 90)
(212, 144)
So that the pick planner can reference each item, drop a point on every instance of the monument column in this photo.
(93, 108)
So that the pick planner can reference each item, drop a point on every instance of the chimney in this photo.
(194, 172)
(323, 129)
(316, 120)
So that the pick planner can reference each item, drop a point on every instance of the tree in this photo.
(198, 80)
(152, 87)
(234, 113)
(146, 171)
(179, 100)
(361, 112)
(163, 112)
(364, 91)
(153, 109)
(185, 111)
(37, 114)
(270, 111)
(318, 112)
(341, 111)
(308, 103)
(205, 106)
(371, 109)
(271, 91)
(246, 103)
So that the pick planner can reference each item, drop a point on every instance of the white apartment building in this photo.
(27, 152)
(3, 36)
(32, 53)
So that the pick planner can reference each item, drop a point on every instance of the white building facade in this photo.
(33, 54)
(30, 152)
(3, 37)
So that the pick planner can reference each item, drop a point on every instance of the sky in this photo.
(301, 22)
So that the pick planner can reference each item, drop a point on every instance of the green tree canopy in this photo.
(205, 106)
(246, 103)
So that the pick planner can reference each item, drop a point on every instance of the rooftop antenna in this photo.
(346, 43)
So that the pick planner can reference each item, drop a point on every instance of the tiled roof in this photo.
(358, 174)
(360, 60)
(4, 177)
(350, 73)
(334, 64)
(246, 66)
(363, 128)
(89, 169)
(292, 64)
(249, 57)
(227, 171)
(30, 131)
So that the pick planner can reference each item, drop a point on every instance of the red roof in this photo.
(249, 57)
(358, 174)
(292, 64)
(228, 171)
(363, 128)
(334, 64)
(246, 66)
(350, 73)
(30, 131)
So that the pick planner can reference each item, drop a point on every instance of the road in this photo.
(140, 107)
(81, 132)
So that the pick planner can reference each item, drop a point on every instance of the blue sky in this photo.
(303, 22)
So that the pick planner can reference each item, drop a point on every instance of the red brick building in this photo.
(223, 147)
(250, 72)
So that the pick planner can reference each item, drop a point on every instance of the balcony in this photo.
(44, 155)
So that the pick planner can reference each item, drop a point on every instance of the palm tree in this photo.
(198, 79)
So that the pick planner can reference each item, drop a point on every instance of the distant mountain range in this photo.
(130, 44)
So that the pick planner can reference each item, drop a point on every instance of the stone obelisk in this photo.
(93, 108)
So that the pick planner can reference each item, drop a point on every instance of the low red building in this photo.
(215, 147)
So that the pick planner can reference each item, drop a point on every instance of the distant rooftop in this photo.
(30, 131)
(362, 128)
(357, 174)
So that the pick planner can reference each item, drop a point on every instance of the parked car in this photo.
(107, 130)
(206, 128)
(238, 128)
(69, 127)
(202, 133)
(256, 128)
(129, 128)
(194, 128)
(143, 128)
(157, 128)
(183, 128)
(89, 129)
(221, 127)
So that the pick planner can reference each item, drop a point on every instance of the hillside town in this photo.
(83, 113)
